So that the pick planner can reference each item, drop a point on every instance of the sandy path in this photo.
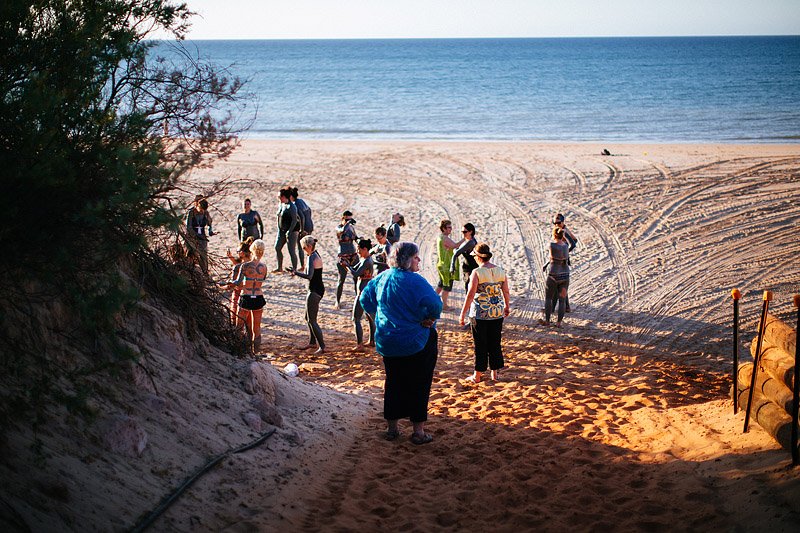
(619, 420)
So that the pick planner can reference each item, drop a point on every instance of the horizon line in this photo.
(479, 38)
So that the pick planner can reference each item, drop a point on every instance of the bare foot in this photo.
(474, 378)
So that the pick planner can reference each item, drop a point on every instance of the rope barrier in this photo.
(761, 327)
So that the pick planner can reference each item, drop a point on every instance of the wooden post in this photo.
(796, 397)
(736, 295)
(761, 324)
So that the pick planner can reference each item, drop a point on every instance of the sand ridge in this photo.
(618, 421)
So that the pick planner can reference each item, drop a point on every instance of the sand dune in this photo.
(618, 421)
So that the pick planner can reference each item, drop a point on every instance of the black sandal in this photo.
(418, 439)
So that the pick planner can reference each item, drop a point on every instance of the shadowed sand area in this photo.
(619, 421)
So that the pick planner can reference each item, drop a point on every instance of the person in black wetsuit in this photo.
(465, 250)
(393, 231)
(572, 240)
(197, 220)
(249, 223)
(362, 272)
(558, 277)
(306, 222)
(288, 229)
(346, 234)
(380, 252)
(316, 290)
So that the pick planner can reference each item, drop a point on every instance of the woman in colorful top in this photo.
(362, 273)
(288, 227)
(445, 246)
(316, 290)
(380, 252)
(393, 233)
(251, 302)
(558, 277)
(405, 308)
(487, 303)
(242, 256)
(249, 223)
(465, 250)
(346, 234)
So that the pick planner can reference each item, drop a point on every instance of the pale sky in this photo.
(354, 19)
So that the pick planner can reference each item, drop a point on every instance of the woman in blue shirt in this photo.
(405, 308)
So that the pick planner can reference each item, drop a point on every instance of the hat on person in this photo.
(482, 250)
(558, 219)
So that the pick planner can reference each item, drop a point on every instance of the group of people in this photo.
(400, 306)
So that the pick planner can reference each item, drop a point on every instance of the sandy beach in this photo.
(622, 420)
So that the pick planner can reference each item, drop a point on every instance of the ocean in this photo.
(657, 89)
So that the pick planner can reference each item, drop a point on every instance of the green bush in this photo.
(96, 133)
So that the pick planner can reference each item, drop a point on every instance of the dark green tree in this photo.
(98, 125)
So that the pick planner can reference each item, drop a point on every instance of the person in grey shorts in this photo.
(316, 290)
(288, 229)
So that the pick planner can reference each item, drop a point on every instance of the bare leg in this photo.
(562, 297)
(244, 317)
(256, 328)
(475, 377)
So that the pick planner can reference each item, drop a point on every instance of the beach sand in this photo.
(622, 419)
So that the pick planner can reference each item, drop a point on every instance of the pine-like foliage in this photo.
(98, 124)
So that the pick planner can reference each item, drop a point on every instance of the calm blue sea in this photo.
(678, 89)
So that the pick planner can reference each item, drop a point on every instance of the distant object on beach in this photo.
(605, 152)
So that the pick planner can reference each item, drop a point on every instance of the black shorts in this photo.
(251, 303)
